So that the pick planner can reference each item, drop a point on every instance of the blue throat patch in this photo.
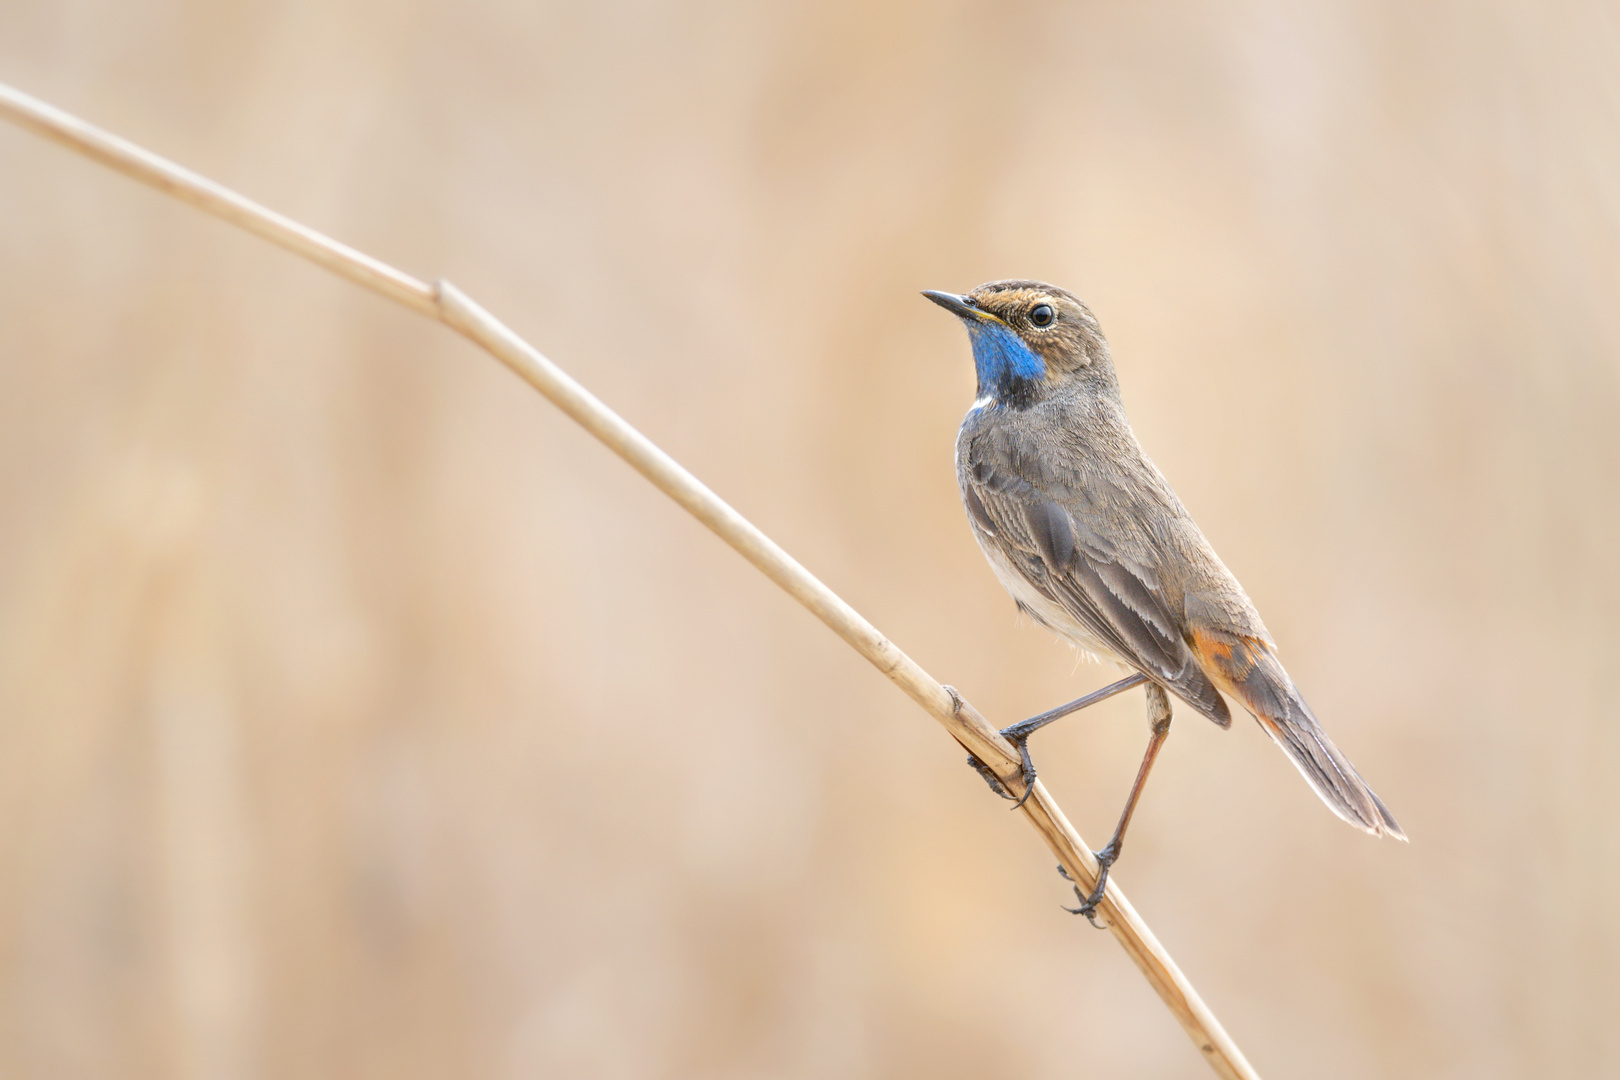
(1008, 370)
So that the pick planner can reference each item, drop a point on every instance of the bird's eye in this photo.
(1041, 315)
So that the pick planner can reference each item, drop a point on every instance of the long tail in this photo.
(1247, 669)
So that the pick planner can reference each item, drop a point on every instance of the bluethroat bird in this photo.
(1085, 533)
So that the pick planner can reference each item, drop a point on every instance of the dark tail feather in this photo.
(1246, 668)
(1330, 772)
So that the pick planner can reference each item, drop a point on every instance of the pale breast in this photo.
(1049, 613)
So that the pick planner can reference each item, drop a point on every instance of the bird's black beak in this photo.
(960, 306)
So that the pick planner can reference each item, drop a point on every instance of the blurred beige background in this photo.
(360, 717)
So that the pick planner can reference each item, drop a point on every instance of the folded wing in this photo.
(1117, 602)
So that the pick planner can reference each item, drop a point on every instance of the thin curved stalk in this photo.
(445, 302)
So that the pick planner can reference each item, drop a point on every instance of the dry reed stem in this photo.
(448, 304)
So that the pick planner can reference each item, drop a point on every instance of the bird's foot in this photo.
(1088, 904)
(1028, 772)
(990, 778)
(1019, 739)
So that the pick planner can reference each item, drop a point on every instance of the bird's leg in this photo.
(1158, 703)
(1018, 734)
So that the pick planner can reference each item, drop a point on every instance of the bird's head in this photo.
(1029, 338)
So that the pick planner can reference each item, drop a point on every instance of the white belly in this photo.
(1053, 615)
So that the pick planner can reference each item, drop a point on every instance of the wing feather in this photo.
(1118, 604)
